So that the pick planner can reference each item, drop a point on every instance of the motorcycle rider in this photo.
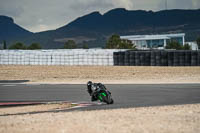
(93, 89)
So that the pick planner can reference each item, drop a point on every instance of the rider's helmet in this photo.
(89, 83)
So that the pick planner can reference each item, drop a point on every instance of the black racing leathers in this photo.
(93, 90)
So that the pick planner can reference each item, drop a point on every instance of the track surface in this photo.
(125, 96)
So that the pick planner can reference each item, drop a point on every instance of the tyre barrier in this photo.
(164, 58)
(127, 58)
(116, 58)
(132, 58)
(147, 58)
(198, 58)
(72, 57)
(121, 58)
(100, 57)
(157, 58)
(170, 58)
(153, 58)
(187, 58)
(176, 58)
(142, 59)
(137, 59)
(194, 58)
(182, 58)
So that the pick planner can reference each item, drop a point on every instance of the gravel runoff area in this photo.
(165, 119)
(160, 119)
(104, 74)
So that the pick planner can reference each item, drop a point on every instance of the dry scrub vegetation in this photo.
(105, 74)
(165, 119)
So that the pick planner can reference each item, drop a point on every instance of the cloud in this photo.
(39, 15)
(128, 4)
(182, 4)
(11, 8)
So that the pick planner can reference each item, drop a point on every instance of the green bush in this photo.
(34, 46)
(70, 44)
(177, 46)
(186, 47)
(115, 42)
(18, 46)
(85, 46)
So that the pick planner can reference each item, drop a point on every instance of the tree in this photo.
(34, 46)
(18, 46)
(70, 44)
(85, 46)
(198, 42)
(186, 47)
(114, 42)
(4, 45)
(174, 45)
(126, 44)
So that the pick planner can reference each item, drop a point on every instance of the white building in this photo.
(193, 45)
(154, 41)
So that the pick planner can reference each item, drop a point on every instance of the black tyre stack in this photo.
(198, 58)
(127, 58)
(142, 58)
(137, 58)
(148, 58)
(121, 58)
(170, 58)
(153, 58)
(182, 58)
(164, 58)
(176, 58)
(116, 58)
(132, 58)
(187, 58)
(158, 58)
(194, 58)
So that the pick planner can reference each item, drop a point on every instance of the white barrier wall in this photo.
(58, 57)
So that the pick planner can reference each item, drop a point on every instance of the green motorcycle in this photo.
(99, 92)
(105, 96)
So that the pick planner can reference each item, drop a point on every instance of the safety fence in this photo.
(157, 58)
(57, 57)
(100, 57)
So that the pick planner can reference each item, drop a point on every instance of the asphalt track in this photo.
(125, 96)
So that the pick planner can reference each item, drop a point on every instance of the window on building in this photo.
(177, 39)
(155, 43)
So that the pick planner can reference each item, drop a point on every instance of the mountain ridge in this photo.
(8, 29)
(95, 27)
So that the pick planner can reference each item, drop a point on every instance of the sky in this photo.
(41, 15)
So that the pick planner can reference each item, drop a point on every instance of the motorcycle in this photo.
(105, 96)
(99, 92)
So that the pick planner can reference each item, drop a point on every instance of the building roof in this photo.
(151, 37)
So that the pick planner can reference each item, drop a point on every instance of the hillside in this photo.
(11, 31)
(95, 28)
